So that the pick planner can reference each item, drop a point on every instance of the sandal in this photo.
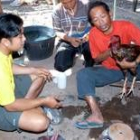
(87, 125)
(54, 115)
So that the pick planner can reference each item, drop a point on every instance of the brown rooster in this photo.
(129, 52)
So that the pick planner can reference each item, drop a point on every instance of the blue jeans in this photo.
(98, 76)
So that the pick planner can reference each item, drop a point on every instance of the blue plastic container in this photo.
(39, 42)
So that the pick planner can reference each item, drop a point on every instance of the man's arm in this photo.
(17, 69)
(27, 104)
(39, 71)
(125, 64)
(63, 36)
(72, 40)
(56, 18)
(103, 56)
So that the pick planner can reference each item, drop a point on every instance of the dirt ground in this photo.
(111, 107)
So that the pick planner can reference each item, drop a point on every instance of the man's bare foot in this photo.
(95, 118)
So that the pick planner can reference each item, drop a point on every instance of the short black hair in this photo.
(10, 25)
(92, 5)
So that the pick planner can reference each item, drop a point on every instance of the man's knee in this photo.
(81, 75)
(61, 68)
(84, 74)
(62, 62)
(42, 124)
(39, 124)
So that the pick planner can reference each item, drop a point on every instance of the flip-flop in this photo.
(87, 125)
(54, 115)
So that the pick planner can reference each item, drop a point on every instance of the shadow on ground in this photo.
(113, 111)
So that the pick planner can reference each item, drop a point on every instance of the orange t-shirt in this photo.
(99, 42)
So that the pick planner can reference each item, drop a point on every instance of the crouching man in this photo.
(20, 109)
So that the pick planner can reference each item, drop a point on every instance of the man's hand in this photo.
(85, 38)
(125, 64)
(42, 72)
(75, 41)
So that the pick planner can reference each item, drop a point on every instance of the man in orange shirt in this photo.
(99, 39)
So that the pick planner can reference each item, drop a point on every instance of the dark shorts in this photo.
(9, 120)
(65, 57)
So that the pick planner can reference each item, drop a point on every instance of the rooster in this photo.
(129, 52)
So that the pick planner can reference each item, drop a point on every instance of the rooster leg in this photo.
(122, 94)
(131, 90)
